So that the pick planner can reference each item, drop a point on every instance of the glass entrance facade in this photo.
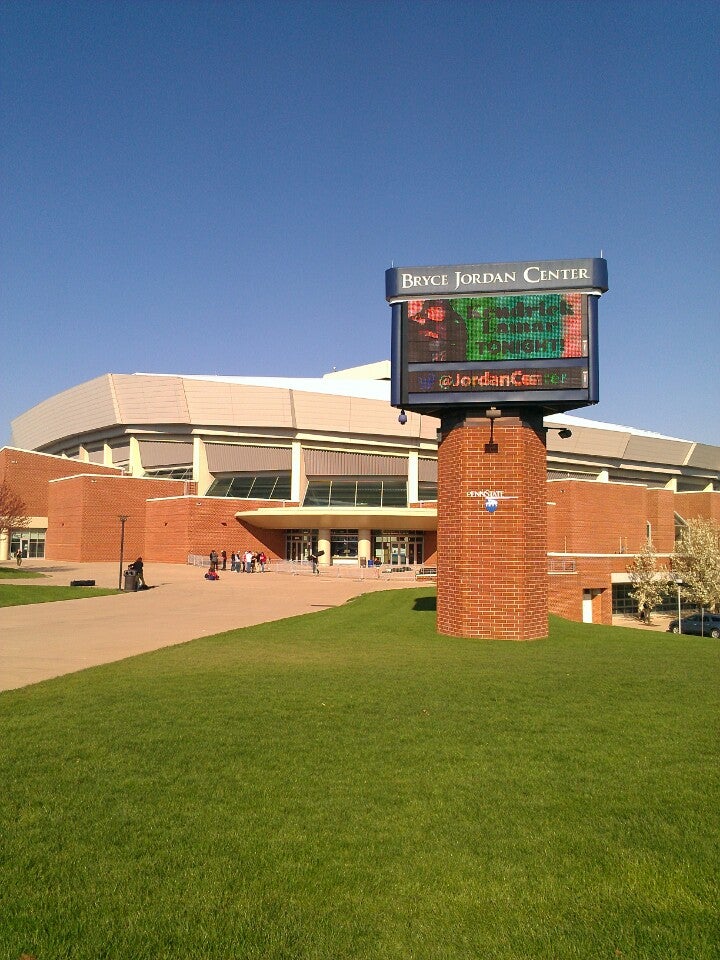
(31, 543)
(300, 543)
(398, 547)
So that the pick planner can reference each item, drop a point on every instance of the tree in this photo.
(13, 512)
(648, 581)
(697, 562)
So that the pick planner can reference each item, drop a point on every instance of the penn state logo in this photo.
(491, 504)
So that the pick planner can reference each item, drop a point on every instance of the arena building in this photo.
(291, 466)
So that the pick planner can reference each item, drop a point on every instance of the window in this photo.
(252, 487)
(427, 490)
(623, 603)
(343, 544)
(356, 493)
(31, 543)
(170, 473)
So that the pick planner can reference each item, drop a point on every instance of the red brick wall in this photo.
(592, 517)
(492, 567)
(198, 525)
(565, 590)
(692, 506)
(84, 511)
(431, 547)
(28, 475)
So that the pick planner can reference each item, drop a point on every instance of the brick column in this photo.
(492, 565)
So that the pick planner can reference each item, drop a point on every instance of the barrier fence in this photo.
(339, 571)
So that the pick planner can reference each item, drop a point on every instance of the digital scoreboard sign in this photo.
(529, 340)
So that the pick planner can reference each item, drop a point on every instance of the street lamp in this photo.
(122, 518)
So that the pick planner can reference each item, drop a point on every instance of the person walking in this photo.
(224, 559)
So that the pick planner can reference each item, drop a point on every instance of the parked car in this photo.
(698, 624)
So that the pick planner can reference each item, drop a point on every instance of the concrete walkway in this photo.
(46, 640)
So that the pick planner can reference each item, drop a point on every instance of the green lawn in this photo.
(13, 596)
(352, 785)
(18, 573)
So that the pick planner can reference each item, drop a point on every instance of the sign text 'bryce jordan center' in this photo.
(520, 333)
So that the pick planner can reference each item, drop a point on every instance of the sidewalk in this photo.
(46, 640)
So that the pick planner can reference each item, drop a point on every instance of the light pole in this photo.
(678, 584)
(122, 518)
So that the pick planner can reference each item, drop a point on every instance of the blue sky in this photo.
(219, 187)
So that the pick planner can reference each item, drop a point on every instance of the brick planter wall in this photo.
(492, 567)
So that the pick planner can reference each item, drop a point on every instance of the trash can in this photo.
(131, 580)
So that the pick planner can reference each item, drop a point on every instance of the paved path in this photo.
(46, 640)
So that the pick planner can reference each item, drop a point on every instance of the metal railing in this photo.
(338, 571)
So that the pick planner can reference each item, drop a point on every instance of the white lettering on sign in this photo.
(537, 275)
(489, 495)
(478, 279)
(419, 280)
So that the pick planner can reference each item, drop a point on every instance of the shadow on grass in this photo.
(423, 604)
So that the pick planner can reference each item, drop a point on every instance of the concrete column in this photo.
(492, 528)
(83, 454)
(364, 543)
(201, 473)
(297, 476)
(107, 455)
(135, 464)
(413, 477)
(324, 544)
(4, 545)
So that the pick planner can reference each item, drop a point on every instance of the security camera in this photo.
(402, 419)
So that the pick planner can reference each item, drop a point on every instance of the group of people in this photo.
(247, 561)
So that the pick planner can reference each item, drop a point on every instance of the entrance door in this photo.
(398, 547)
(299, 544)
(588, 601)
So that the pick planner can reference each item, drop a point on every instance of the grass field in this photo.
(351, 785)
(17, 573)
(13, 596)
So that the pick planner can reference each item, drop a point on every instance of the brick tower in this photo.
(492, 526)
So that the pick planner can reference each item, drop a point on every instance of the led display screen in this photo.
(537, 326)
(510, 334)
(483, 379)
